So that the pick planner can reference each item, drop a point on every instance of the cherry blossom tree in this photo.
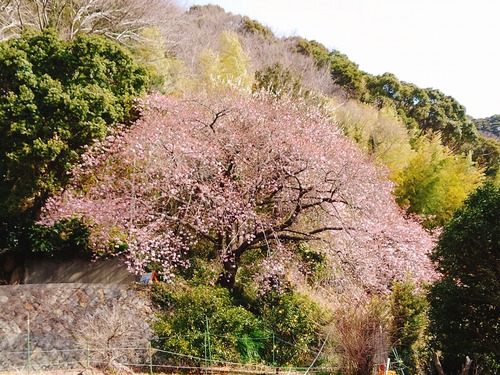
(237, 173)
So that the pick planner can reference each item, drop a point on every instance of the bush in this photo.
(68, 238)
(202, 321)
(409, 310)
(465, 301)
(290, 318)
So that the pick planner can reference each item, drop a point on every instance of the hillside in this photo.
(290, 204)
(489, 127)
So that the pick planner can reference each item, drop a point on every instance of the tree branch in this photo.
(217, 115)
(437, 362)
(466, 366)
(192, 227)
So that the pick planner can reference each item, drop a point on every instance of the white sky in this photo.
(450, 45)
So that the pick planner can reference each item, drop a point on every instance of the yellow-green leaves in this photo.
(378, 132)
(435, 182)
(167, 74)
(228, 67)
(430, 179)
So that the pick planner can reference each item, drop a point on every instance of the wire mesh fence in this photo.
(61, 328)
(31, 353)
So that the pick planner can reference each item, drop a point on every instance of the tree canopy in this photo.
(242, 173)
(120, 20)
(465, 302)
(249, 183)
(56, 97)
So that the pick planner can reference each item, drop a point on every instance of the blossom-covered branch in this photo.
(263, 174)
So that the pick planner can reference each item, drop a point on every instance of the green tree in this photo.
(425, 109)
(409, 308)
(486, 152)
(55, 98)
(194, 314)
(345, 73)
(465, 302)
(293, 320)
(228, 67)
(254, 27)
(435, 181)
(489, 127)
(447, 116)
(311, 48)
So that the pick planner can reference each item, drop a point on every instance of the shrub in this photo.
(290, 318)
(409, 310)
(202, 321)
(67, 238)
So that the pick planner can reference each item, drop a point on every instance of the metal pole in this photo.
(205, 347)
(150, 350)
(28, 345)
(274, 350)
(208, 341)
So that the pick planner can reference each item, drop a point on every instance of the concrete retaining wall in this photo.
(36, 269)
(48, 325)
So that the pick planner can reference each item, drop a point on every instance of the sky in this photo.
(449, 45)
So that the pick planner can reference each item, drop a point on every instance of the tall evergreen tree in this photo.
(465, 302)
(56, 97)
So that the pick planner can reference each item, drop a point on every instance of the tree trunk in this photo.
(437, 362)
(227, 278)
(466, 366)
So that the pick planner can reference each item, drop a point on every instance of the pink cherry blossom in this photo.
(236, 173)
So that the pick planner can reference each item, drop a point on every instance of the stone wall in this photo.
(68, 325)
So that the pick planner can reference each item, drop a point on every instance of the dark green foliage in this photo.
(280, 329)
(486, 152)
(278, 81)
(409, 310)
(291, 319)
(345, 73)
(447, 116)
(427, 109)
(56, 97)
(68, 238)
(192, 315)
(465, 302)
(489, 127)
